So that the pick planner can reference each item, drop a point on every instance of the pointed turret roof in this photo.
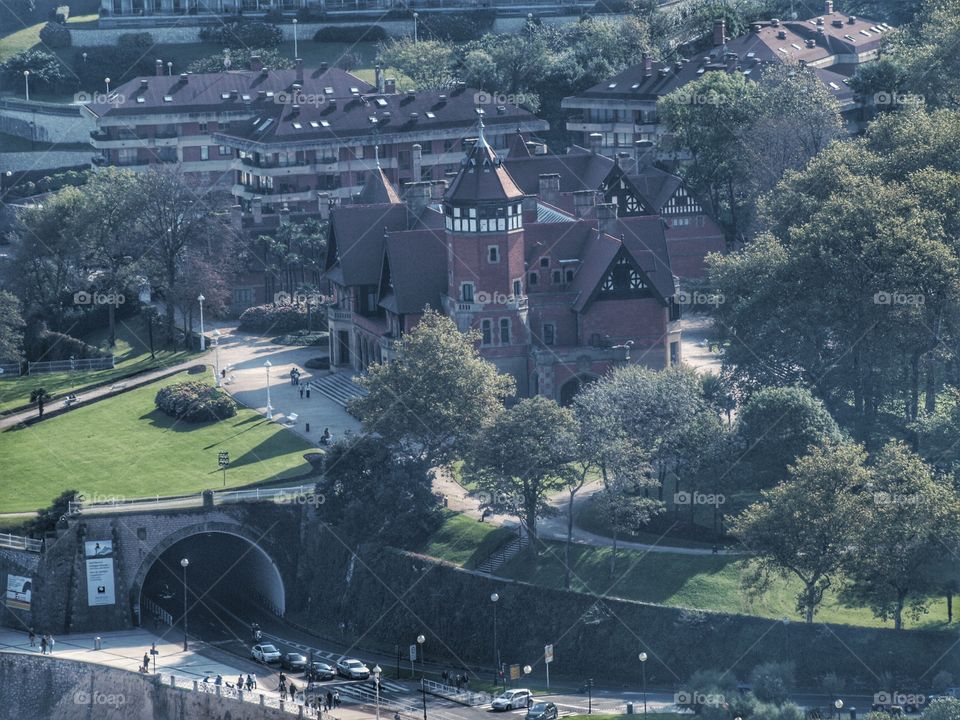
(377, 188)
(482, 176)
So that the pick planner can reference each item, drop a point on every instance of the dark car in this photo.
(320, 671)
(293, 661)
(542, 711)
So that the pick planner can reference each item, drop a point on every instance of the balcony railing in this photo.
(338, 315)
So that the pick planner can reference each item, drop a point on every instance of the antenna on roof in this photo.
(481, 140)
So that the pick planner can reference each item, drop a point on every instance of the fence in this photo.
(249, 696)
(149, 607)
(302, 494)
(299, 494)
(74, 365)
(18, 542)
(466, 697)
(9, 370)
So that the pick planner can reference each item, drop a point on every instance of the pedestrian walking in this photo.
(293, 692)
(301, 392)
(33, 638)
(146, 662)
(336, 699)
(240, 682)
(282, 687)
(50, 643)
(308, 392)
(43, 645)
(329, 699)
(219, 680)
(444, 676)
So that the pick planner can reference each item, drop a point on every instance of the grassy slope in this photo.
(706, 582)
(26, 38)
(132, 353)
(125, 447)
(464, 541)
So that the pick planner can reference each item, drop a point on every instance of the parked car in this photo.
(353, 669)
(513, 699)
(542, 711)
(265, 653)
(293, 661)
(320, 671)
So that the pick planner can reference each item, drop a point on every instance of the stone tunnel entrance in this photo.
(230, 579)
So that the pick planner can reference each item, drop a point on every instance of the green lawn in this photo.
(465, 541)
(132, 353)
(12, 143)
(708, 582)
(27, 37)
(125, 447)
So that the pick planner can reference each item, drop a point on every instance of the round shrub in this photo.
(54, 35)
(280, 318)
(302, 338)
(195, 402)
(318, 363)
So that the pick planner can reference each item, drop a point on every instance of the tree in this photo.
(909, 529)
(429, 63)
(46, 71)
(436, 395)
(38, 397)
(522, 455)
(624, 508)
(805, 526)
(942, 708)
(239, 59)
(776, 426)
(11, 327)
(371, 495)
(772, 682)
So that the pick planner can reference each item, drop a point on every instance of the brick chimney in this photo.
(596, 142)
(323, 205)
(417, 195)
(256, 207)
(236, 218)
(607, 217)
(719, 31)
(416, 162)
(583, 200)
(645, 155)
(627, 161)
(828, 7)
(256, 64)
(298, 65)
(378, 78)
(439, 189)
(158, 68)
(324, 66)
(549, 189)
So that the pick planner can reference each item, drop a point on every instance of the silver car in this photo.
(353, 669)
(513, 699)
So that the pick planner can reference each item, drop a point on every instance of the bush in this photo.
(317, 363)
(46, 72)
(55, 35)
(283, 318)
(46, 344)
(240, 60)
(772, 682)
(243, 34)
(195, 402)
(351, 33)
(129, 58)
(302, 338)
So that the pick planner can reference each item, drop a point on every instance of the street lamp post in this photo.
(415, 16)
(203, 341)
(421, 639)
(170, 68)
(494, 598)
(643, 666)
(268, 365)
(216, 354)
(26, 84)
(376, 677)
(107, 83)
(184, 563)
(295, 53)
(838, 704)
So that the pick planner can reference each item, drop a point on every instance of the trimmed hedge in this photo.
(280, 318)
(243, 34)
(45, 344)
(195, 402)
(54, 35)
(351, 33)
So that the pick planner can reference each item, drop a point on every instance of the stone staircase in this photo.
(338, 387)
(499, 558)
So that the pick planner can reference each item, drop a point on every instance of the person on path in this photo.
(240, 682)
(282, 687)
(293, 692)
(301, 392)
(33, 638)
(249, 683)
(308, 392)
(336, 699)
(146, 662)
(329, 699)
(219, 680)
(43, 645)
(50, 643)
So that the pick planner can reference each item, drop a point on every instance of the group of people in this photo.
(459, 679)
(46, 642)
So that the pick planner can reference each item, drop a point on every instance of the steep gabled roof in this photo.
(357, 236)
(578, 169)
(482, 176)
(416, 261)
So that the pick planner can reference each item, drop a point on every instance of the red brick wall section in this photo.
(643, 321)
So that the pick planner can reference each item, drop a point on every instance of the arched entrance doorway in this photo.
(574, 385)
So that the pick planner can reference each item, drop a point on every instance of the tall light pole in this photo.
(496, 649)
(643, 666)
(421, 639)
(184, 563)
(216, 354)
(169, 68)
(107, 82)
(203, 341)
(268, 365)
(415, 16)
(376, 678)
(838, 704)
(26, 83)
(295, 53)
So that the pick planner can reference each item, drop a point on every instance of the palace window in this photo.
(532, 278)
(504, 331)
(466, 292)
(549, 333)
(493, 253)
(486, 332)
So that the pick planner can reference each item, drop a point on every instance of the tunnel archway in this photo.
(227, 565)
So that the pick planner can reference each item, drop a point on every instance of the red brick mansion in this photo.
(563, 263)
